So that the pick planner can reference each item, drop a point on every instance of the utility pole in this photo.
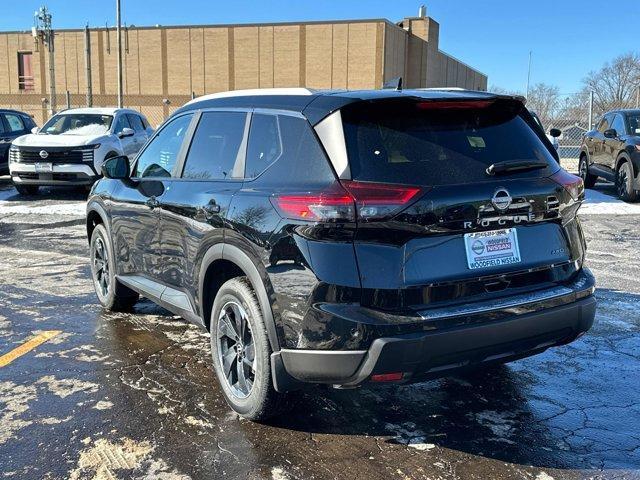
(119, 45)
(638, 97)
(42, 30)
(87, 64)
(528, 75)
(590, 110)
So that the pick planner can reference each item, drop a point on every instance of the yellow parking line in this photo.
(26, 347)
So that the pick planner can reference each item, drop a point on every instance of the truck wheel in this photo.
(241, 352)
(111, 293)
(27, 189)
(583, 169)
(624, 183)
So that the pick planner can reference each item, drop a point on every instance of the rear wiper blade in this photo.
(515, 166)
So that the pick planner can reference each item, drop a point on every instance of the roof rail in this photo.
(253, 92)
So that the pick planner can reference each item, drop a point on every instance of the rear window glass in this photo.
(417, 143)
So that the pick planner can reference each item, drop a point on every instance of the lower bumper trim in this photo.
(434, 354)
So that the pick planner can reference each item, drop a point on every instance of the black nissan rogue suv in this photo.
(347, 237)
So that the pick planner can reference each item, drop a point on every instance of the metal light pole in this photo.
(528, 75)
(119, 44)
(87, 64)
(42, 30)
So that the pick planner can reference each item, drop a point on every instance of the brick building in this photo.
(165, 66)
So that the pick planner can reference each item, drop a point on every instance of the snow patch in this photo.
(67, 386)
(103, 405)
(543, 476)
(598, 203)
(278, 473)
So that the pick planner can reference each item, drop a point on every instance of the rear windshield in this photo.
(423, 143)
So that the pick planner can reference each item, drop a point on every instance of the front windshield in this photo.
(78, 124)
(634, 123)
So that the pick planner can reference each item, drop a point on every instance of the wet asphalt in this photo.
(134, 395)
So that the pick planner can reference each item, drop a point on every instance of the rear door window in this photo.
(431, 143)
(215, 146)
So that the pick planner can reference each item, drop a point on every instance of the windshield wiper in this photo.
(515, 166)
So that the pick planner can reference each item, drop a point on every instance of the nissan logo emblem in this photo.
(501, 199)
(44, 154)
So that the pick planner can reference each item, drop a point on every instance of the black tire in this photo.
(27, 189)
(111, 294)
(260, 400)
(624, 182)
(583, 169)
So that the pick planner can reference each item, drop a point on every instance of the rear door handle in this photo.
(152, 203)
(211, 208)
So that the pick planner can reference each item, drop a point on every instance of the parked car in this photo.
(12, 125)
(347, 238)
(553, 134)
(612, 151)
(71, 147)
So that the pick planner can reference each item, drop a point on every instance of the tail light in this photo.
(347, 201)
(571, 183)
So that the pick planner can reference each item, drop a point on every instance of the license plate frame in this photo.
(44, 167)
(492, 248)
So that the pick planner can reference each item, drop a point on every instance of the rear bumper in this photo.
(430, 354)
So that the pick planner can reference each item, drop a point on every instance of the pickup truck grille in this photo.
(55, 155)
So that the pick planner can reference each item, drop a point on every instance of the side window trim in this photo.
(186, 140)
(238, 167)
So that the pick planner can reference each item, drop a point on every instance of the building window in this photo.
(25, 71)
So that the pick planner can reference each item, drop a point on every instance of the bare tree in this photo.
(616, 84)
(544, 99)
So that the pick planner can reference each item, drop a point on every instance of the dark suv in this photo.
(612, 151)
(347, 238)
(13, 124)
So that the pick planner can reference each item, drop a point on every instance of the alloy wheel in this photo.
(236, 349)
(101, 267)
(583, 170)
(622, 182)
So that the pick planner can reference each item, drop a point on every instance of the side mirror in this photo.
(35, 130)
(126, 132)
(555, 132)
(116, 167)
(611, 133)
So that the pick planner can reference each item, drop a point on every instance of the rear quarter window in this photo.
(284, 149)
(419, 143)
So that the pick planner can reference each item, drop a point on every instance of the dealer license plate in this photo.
(492, 249)
(44, 167)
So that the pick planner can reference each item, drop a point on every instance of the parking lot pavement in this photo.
(86, 394)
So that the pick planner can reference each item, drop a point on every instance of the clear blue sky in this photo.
(568, 37)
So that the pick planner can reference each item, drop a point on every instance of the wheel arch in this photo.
(96, 215)
(624, 157)
(223, 262)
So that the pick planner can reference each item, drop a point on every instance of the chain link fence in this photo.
(155, 107)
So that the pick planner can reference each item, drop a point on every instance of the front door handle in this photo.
(152, 203)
